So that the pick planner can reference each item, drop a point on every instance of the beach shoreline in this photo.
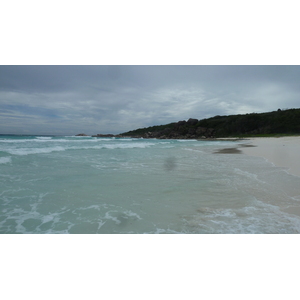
(280, 151)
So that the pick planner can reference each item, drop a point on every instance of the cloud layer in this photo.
(115, 99)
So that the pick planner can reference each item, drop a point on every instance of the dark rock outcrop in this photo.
(181, 123)
(192, 121)
(103, 135)
(180, 130)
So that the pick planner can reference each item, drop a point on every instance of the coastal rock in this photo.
(201, 130)
(192, 121)
(81, 134)
(180, 130)
(103, 135)
(181, 123)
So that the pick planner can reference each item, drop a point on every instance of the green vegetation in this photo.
(276, 123)
(142, 131)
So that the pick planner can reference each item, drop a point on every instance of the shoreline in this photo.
(281, 152)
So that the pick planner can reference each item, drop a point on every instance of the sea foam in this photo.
(5, 160)
(27, 151)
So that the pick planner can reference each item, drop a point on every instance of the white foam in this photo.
(78, 137)
(245, 173)
(77, 141)
(100, 224)
(126, 140)
(126, 146)
(41, 150)
(51, 217)
(194, 150)
(27, 151)
(259, 218)
(192, 140)
(129, 213)
(90, 207)
(5, 160)
(15, 141)
(109, 217)
(44, 138)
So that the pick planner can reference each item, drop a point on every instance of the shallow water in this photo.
(90, 185)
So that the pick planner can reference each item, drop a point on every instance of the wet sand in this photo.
(229, 151)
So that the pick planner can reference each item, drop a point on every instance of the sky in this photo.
(91, 99)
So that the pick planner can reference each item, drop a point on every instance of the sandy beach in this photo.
(282, 152)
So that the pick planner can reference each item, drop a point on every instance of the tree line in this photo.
(282, 121)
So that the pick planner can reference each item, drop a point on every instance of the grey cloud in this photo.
(114, 99)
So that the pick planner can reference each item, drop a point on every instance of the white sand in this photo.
(282, 152)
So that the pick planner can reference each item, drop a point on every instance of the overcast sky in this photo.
(114, 99)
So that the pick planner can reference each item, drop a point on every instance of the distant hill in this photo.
(280, 122)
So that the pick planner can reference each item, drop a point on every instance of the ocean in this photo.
(68, 184)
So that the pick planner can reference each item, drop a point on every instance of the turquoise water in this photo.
(90, 185)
